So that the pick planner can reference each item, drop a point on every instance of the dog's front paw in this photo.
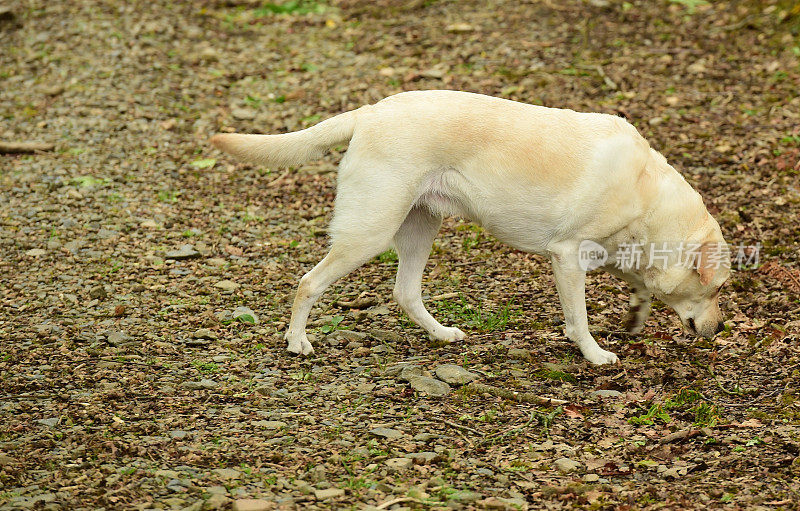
(298, 344)
(449, 334)
(599, 356)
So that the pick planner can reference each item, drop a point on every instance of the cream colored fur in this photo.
(539, 179)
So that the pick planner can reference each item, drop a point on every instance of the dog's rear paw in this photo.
(632, 323)
(599, 356)
(449, 334)
(299, 345)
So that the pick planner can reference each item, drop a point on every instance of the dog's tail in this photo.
(289, 148)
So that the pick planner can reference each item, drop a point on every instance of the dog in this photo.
(542, 180)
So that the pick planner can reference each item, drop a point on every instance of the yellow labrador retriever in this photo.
(542, 180)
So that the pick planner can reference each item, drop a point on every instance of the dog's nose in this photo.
(720, 327)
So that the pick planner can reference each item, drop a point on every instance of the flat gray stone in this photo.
(606, 393)
(429, 386)
(398, 463)
(118, 338)
(519, 354)
(454, 375)
(270, 425)
(566, 465)
(203, 384)
(389, 336)
(346, 336)
(465, 496)
(412, 371)
(204, 333)
(184, 252)
(227, 286)
(227, 473)
(386, 433)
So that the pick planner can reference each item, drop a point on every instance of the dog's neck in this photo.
(666, 223)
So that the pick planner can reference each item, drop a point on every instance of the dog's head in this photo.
(693, 289)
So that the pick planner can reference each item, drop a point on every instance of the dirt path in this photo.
(127, 382)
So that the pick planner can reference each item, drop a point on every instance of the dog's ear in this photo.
(708, 261)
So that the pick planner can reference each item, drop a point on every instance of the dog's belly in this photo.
(519, 216)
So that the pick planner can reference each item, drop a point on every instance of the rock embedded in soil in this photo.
(519, 354)
(412, 371)
(204, 333)
(328, 493)
(454, 375)
(270, 425)
(566, 465)
(118, 338)
(227, 473)
(465, 496)
(36, 252)
(204, 384)
(422, 458)
(251, 505)
(429, 386)
(346, 336)
(227, 286)
(184, 252)
(388, 336)
(606, 393)
(386, 433)
(216, 501)
(398, 463)
(98, 292)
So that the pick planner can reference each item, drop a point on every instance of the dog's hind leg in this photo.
(639, 310)
(413, 243)
(341, 260)
(370, 207)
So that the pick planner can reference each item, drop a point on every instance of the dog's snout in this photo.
(691, 325)
(720, 327)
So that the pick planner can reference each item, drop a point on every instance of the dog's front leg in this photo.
(639, 310)
(571, 283)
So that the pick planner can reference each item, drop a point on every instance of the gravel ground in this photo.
(146, 278)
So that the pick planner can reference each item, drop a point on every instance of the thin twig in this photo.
(443, 296)
(24, 147)
(278, 179)
(512, 395)
(680, 435)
